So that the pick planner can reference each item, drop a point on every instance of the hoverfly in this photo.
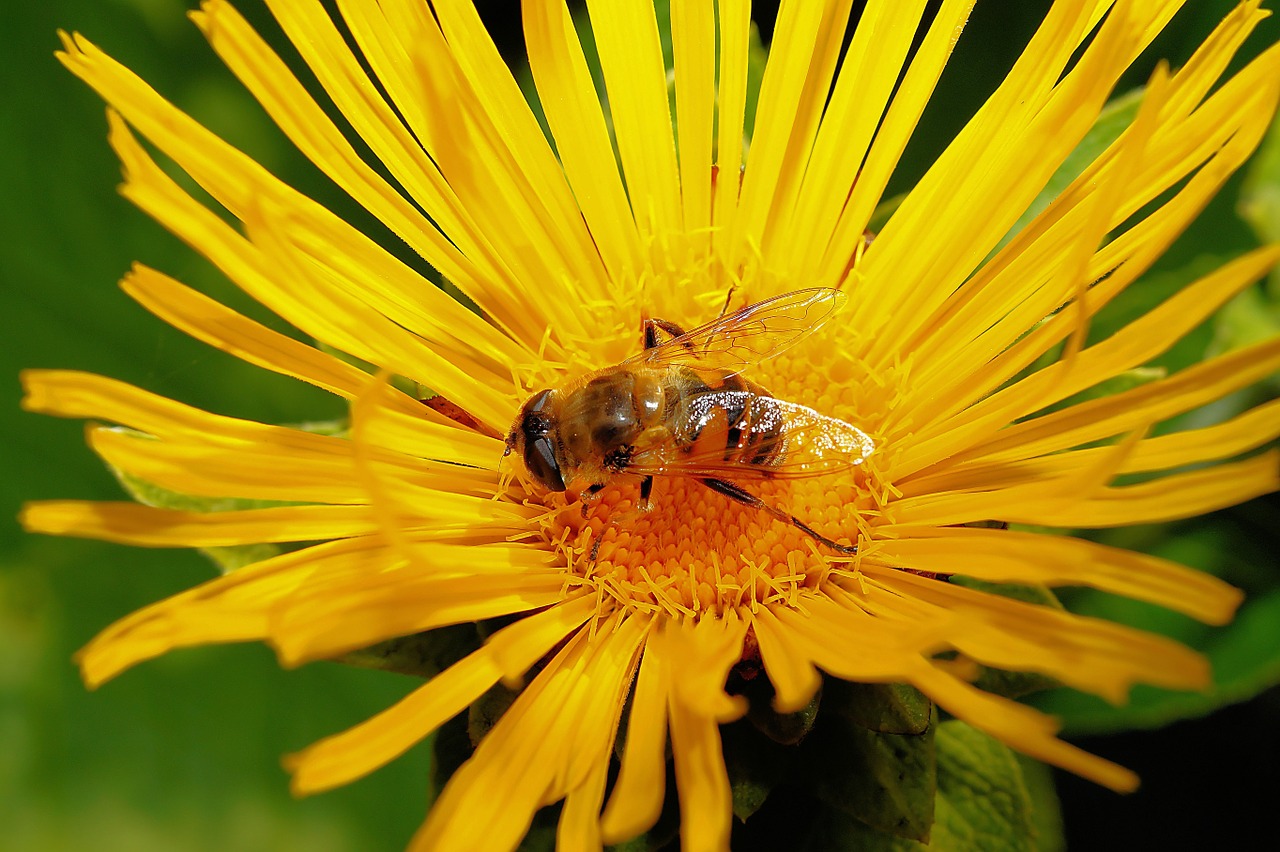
(682, 408)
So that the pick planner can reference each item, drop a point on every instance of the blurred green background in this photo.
(183, 753)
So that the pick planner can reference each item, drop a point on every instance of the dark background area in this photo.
(183, 752)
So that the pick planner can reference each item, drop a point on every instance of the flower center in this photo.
(696, 550)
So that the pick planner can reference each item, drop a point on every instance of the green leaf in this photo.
(756, 764)
(450, 748)
(484, 713)
(227, 559)
(1012, 684)
(785, 728)
(1251, 317)
(834, 829)
(983, 800)
(1259, 203)
(887, 708)
(886, 781)
(422, 655)
(1046, 813)
(541, 836)
(884, 212)
(1027, 593)
(988, 798)
(149, 494)
(234, 557)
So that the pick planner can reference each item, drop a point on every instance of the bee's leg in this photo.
(447, 408)
(646, 488)
(653, 326)
(735, 492)
(589, 497)
(728, 298)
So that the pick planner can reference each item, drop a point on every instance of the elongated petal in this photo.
(693, 37)
(302, 119)
(213, 323)
(528, 759)
(132, 523)
(1110, 415)
(626, 33)
(582, 139)
(232, 608)
(700, 658)
(794, 678)
(636, 800)
(344, 757)
(1007, 556)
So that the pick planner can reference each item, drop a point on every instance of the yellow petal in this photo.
(232, 608)
(636, 800)
(568, 97)
(1019, 726)
(499, 98)
(133, 523)
(326, 312)
(579, 827)
(344, 757)
(1010, 556)
(1212, 142)
(891, 138)
(693, 37)
(1030, 124)
(345, 612)
(1242, 433)
(635, 75)
(1141, 340)
(706, 803)
(794, 679)
(868, 76)
(490, 800)
(305, 123)
(204, 319)
(806, 43)
(1165, 499)
(1011, 634)
(975, 436)
(731, 98)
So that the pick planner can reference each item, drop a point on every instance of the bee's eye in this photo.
(540, 459)
(535, 422)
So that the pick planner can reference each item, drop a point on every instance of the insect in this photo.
(682, 408)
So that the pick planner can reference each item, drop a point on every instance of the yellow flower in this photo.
(564, 249)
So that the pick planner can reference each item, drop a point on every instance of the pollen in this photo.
(695, 552)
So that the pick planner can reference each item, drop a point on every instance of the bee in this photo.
(682, 408)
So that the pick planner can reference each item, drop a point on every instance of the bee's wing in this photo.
(736, 341)
(787, 441)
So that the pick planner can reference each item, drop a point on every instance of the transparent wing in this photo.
(736, 341)
(745, 435)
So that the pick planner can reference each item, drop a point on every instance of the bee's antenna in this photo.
(728, 298)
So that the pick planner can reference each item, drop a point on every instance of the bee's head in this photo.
(533, 436)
